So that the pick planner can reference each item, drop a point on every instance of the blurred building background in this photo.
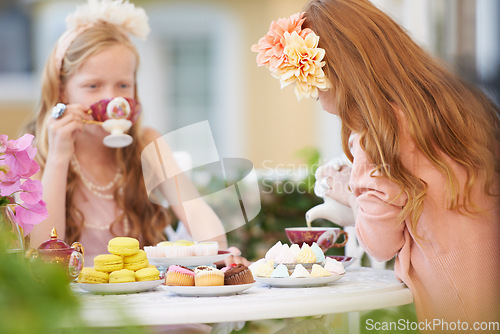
(197, 65)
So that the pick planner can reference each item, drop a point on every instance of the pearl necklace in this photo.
(99, 191)
(126, 227)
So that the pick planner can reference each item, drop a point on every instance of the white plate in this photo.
(300, 282)
(188, 261)
(116, 288)
(207, 291)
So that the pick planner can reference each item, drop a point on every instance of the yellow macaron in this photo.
(108, 262)
(147, 274)
(124, 246)
(137, 261)
(92, 276)
(122, 276)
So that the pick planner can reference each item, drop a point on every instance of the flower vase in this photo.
(10, 233)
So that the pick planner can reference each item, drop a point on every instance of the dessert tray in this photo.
(207, 291)
(188, 261)
(118, 288)
(298, 282)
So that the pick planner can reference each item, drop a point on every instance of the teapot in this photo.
(56, 250)
(331, 210)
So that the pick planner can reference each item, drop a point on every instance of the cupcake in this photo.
(154, 251)
(206, 248)
(208, 276)
(180, 248)
(238, 274)
(179, 275)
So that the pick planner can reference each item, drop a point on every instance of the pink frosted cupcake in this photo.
(179, 275)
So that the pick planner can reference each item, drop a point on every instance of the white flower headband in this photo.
(117, 12)
(292, 55)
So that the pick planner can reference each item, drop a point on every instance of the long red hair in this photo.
(373, 65)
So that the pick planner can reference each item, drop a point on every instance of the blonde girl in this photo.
(94, 192)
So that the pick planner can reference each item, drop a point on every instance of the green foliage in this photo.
(36, 297)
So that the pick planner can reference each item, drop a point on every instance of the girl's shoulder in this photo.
(149, 134)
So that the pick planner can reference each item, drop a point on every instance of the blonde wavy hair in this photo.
(147, 220)
(372, 65)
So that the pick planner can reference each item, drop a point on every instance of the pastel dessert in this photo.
(265, 270)
(281, 271)
(122, 276)
(167, 249)
(334, 266)
(179, 275)
(300, 272)
(206, 248)
(274, 251)
(165, 243)
(147, 274)
(285, 255)
(183, 242)
(108, 262)
(153, 251)
(320, 256)
(92, 276)
(136, 261)
(123, 246)
(306, 254)
(208, 276)
(254, 267)
(295, 249)
(319, 271)
(237, 274)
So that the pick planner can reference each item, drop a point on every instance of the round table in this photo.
(360, 289)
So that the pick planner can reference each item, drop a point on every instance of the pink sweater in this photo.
(453, 270)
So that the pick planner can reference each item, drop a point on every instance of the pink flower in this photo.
(8, 188)
(17, 165)
(32, 191)
(3, 143)
(21, 165)
(28, 215)
(21, 144)
(270, 47)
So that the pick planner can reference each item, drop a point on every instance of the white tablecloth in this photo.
(360, 289)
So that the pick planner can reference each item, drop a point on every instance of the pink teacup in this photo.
(325, 237)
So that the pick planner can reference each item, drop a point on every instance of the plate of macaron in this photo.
(185, 253)
(208, 281)
(125, 269)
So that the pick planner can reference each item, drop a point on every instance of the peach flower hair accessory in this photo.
(292, 55)
(121, 13)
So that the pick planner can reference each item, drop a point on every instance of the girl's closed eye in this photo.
(91, 85)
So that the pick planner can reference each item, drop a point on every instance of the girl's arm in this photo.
(201, 221)
(377, 209)
(61, 135)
